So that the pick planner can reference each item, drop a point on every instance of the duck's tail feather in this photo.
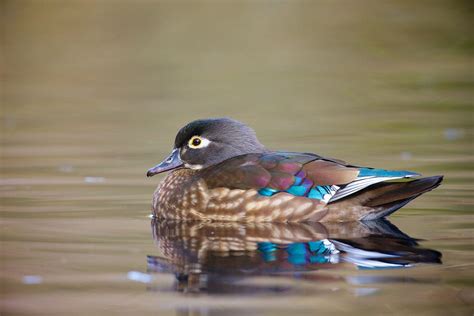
(387, 209)
(387, 197)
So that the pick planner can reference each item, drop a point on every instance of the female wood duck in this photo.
(221, 172)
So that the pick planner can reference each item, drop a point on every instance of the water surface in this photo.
(93, 94)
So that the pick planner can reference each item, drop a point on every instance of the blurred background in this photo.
(93, 93)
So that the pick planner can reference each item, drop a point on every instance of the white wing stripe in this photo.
(359, 184)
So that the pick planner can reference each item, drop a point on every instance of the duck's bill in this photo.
(171, 162)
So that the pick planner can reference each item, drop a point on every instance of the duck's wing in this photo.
(298, 174)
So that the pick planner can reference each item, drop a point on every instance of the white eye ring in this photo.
(203, 142)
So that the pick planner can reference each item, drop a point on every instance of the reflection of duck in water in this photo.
(220, 171)
(219, 251)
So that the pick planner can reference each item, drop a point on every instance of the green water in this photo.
(94, 92)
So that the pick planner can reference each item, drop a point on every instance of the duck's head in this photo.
(203, 143)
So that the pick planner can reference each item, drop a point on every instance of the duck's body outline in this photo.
(285, 187)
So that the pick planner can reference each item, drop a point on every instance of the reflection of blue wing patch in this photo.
(268, 250)
(299, 253)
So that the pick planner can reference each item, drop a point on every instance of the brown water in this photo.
(93, 93)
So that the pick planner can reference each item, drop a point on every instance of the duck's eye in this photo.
(197, 142)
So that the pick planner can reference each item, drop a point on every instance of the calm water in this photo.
(93, 94)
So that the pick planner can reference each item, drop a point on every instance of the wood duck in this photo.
(221, 172)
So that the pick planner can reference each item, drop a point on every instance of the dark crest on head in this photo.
(227, 138)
